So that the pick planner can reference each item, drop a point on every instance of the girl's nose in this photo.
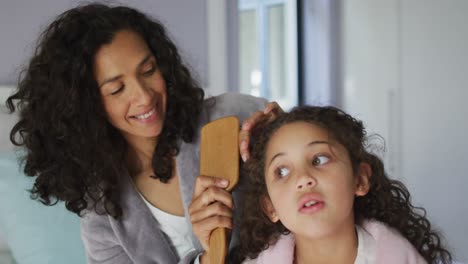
(307, 184)
(305, 181)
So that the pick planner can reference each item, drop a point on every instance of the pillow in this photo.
(35, 233)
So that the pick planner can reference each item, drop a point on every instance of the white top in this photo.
(175, 227)
(366, 253)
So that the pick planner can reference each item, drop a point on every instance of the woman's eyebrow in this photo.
(146, 59)
(143, 61)
(111, 79)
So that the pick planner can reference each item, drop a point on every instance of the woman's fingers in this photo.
(203, 229)
(274, 108)
(272, 111)
(211, 207)
(252, 120)
(209, 196)
(214, 209)
(244, 134)
(209, 224)
(202, 183)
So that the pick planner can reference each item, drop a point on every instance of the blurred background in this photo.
(399, 65)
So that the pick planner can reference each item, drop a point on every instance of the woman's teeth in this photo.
(144, 116)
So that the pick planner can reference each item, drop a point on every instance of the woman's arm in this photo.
(100, 243)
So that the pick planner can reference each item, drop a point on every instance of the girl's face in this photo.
(132, 88)
(310, 181)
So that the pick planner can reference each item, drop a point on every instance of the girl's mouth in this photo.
(311, 207)
(310, 203)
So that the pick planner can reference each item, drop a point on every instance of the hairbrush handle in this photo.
(219, 157)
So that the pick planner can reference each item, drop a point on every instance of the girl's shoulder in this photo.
(280, 252)
(390, 245)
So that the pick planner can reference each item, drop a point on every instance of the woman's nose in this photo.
(142, 94)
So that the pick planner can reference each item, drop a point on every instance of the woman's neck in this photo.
(140, 154)
(340, 247)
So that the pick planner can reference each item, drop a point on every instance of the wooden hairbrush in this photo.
(219, 157)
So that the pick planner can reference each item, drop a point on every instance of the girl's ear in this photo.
(269, 210)
(363, 179)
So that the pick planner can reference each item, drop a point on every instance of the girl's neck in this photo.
(340, 247)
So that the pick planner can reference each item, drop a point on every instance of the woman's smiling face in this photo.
(132, 87)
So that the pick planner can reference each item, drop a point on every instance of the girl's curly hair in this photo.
(387, 201)
(72, 150)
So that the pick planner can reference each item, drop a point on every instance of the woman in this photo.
(110, 116)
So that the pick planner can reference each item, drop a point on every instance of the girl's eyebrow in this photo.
(318, 142)
(310, 144)
(143, 61)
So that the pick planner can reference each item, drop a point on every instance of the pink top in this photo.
(378, 244)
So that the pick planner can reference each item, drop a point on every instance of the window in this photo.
(268, 50)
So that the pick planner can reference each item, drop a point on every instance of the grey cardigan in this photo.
(137, 237)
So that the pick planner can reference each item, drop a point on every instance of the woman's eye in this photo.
(118, 90)
(150, 71)
(320, 160)
(282, 172)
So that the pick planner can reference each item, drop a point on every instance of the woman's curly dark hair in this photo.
(387, 201)
(74, 152)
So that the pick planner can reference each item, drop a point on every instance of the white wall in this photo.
(406, 72)
(371, 67)
(435, 78)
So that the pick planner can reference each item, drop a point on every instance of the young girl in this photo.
(325, 198)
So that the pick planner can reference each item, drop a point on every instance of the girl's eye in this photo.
(282, 172)
(118, 90)
(320, 160)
